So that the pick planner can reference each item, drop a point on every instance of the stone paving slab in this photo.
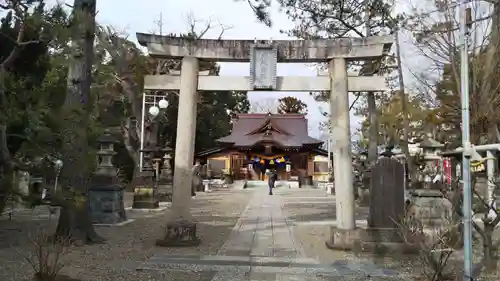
(262, 247)
(270, 265)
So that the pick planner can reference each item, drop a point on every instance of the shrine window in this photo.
(217, 166)
(321, 167)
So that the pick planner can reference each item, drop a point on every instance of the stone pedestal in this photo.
(179, 233)
(206, 184)
(370, 240)
(145, 193)
(430, 207)
(330, 188)
(106, 200)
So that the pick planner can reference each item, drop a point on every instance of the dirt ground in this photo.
(134, 242)
(310, 212)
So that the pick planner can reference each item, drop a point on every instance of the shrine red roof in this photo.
(286, 130)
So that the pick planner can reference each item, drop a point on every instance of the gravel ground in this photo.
(308, 212)
(127, 246)
(313, 236)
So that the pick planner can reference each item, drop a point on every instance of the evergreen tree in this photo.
(291, 105)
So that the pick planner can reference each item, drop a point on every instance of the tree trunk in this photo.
(371, 100)
(74, 221)
(6, 166)
(373, 130)
(489, 253)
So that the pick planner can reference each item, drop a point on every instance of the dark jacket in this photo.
(273, 176)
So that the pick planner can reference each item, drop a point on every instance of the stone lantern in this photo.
(428, 204)
(148, 154)
(165, 178)
(430, 150)
(106, 190)
(363, 187)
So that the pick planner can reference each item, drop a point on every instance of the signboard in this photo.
(478, 166)
(320, 158)
(263, 67)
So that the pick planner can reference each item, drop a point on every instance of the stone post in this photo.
(339, 118)
(181, 228)
(106, 191)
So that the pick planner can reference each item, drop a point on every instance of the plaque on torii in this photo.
(263, 66)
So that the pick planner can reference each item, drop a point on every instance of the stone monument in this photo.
(106, 190)
(387, 205)
(145, 191)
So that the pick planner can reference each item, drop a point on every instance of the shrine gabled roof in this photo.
(287, 130)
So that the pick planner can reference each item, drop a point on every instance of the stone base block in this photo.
(106, 205)
(378, 241)
(145, 198)
(363, 197)
(164, 193)
(330, 188)
(344, 240)
(430, 208)
(180, 233)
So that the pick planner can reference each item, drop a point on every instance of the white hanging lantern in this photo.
(163, 103)
(154, 110)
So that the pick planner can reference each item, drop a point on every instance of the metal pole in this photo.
(406, 122)
(490, 172)
(466, 174)
(143, 120)
(329, 143)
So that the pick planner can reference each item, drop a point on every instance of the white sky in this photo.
(140, 16)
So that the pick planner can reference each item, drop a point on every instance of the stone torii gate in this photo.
(264, 56)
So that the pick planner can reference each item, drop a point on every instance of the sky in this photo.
(140, 16)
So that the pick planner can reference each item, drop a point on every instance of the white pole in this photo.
(329, 142)
(143, 120)
(467, 153)
(490, 166)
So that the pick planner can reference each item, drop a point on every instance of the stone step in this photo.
(238, 265)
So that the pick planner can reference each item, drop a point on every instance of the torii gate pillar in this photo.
(341, 148)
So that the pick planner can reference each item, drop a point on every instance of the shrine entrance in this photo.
(263, 57)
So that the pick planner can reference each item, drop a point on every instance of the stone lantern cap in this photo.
(148, 149)
(107, 138)
(429, 142)
(167, 147)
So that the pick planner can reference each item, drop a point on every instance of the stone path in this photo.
(262, 247)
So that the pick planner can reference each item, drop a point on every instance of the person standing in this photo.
(272, 177)
(196, 181)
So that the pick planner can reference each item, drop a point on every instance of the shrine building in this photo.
(259, 142)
